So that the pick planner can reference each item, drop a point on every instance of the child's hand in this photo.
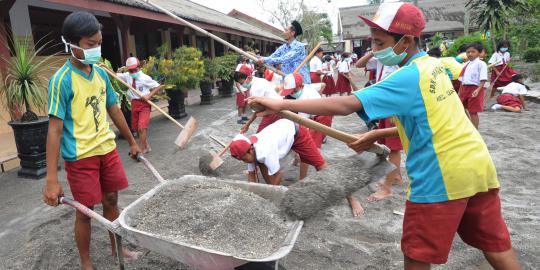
(475, 92)
(265, 106)
(244, 129)
(51, 192)
(364, 142)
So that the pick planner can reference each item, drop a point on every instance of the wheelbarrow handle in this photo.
(150, 167)
(112, 227)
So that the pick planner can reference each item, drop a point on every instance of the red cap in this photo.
(398, 18)
(240, 145)
(246, 70)
(292, 81)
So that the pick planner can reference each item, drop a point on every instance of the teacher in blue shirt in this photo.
(291, 54)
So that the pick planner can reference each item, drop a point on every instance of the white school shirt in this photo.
(273, 143)
(474, 72)
(328, 69)
(515, 89)
(143, 83)
(276, 79)
(262, 88)
(372, 63)
(344, 67)
(499, 57)
(311, 91)
(383, 71)
(315, 64)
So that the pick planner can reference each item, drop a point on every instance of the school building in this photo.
(442, 16)
(130, 28)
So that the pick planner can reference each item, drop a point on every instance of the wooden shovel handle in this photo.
(113, 74)
(334, 133)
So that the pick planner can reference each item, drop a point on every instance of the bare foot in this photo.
(129, 254)
(87, 266)
(382, 192)
(356, 207)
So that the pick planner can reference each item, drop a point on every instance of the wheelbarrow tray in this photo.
(199, 257)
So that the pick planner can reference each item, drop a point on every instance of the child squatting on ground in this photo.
(473, 78)
(451, 190)
(140, 109)
(80, 97)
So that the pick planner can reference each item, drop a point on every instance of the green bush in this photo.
(225, 66)
(535, 72)
(475, 37)
(531, 55)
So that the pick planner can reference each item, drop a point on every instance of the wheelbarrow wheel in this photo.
(260, 266)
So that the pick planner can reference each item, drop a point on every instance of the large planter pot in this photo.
(177, 107)
(226, 88)
(30, 139)
(206, 92)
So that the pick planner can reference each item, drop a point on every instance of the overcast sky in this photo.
(252, 8)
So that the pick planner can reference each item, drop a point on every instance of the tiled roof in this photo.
(441, 16)
(194, 12)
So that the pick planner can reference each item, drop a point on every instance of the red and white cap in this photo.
(132, 63)
(292, 81)
(246, 70)
(240, 145)
(398, 18)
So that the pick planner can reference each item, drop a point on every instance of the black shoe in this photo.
(240, 121)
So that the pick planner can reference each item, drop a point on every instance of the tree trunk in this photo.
(492, 36)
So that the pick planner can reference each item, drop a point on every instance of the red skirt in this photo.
(394, 143)
(509, 100)
(343, 85)
(330, 85)
(505, 78)
(241, 100)
(315, 78)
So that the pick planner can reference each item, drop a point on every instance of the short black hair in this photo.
(327, 58)
(345, 55)
(518, 77)
(463, 47)
(476, 45)
(78, 25)
(297, 28)
(319, 50)
(435, 52)
(239, 76)
(503, 44)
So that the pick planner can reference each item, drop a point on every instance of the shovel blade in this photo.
(216, 161)
(189, 128)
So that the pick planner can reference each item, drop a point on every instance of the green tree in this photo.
(283, 12)
(316, 25)
(524, 27)
(494, 15)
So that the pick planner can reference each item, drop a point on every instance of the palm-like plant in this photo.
(23, 85)
(494, 15)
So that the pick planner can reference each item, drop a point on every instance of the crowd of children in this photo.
(410, 96)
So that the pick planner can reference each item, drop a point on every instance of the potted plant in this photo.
(225, 66)
(24, 92)
(207, 82)
(120, 89)
(184, 70)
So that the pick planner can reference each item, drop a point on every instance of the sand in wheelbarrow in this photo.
(330, 186)
(215, 216)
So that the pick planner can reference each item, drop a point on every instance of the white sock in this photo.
(496, 106)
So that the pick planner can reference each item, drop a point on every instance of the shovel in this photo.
(187, 130)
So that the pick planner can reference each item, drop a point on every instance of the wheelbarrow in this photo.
(195, 256)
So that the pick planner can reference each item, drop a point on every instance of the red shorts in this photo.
(509, 100)
(394, 143)
(267, 120)
(140, 114)
(429, 228)
(318, 137)
(307, 150)
(89, 177)
(472, 104)
(241, 100)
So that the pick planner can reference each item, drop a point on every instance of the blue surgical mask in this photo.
(91, 56)
(135, 75)
(504, 49)
(297, 94)
(388, 57)
(247, 85)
